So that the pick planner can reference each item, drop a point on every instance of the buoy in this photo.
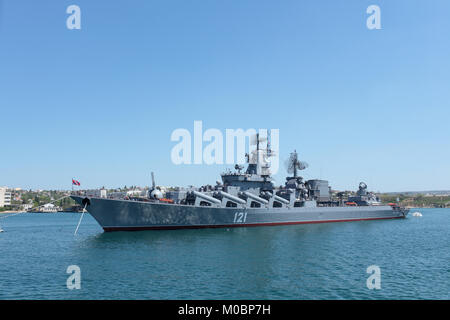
(416, 214)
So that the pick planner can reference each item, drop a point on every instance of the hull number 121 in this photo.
(240, 217)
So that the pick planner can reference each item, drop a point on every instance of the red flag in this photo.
(75, 182)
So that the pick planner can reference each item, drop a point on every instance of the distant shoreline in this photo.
(12, 211)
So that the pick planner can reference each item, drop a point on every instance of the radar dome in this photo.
(156, 194)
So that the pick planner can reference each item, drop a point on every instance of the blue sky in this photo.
(99, 104)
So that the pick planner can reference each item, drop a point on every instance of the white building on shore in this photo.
(27, 206)
(50, 208)
(5, 197)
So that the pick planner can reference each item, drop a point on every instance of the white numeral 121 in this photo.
(240, 217)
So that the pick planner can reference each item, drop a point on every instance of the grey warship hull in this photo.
(126, 215)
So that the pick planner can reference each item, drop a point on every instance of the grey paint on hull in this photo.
(134, 215)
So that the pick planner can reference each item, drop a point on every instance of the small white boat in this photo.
(416, 214)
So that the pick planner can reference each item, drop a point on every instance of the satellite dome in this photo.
(156, 194)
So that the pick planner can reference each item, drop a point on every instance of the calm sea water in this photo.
(317, 261)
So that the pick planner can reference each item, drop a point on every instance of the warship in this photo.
(243, 199)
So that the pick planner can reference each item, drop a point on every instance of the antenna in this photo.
(257, 142)
(153, 181)
(258, 159)
(256, 139)
(293, 164)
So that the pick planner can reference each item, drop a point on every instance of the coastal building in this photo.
(27, 206)
(98, 193)
(49, 208)
(5, 197)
